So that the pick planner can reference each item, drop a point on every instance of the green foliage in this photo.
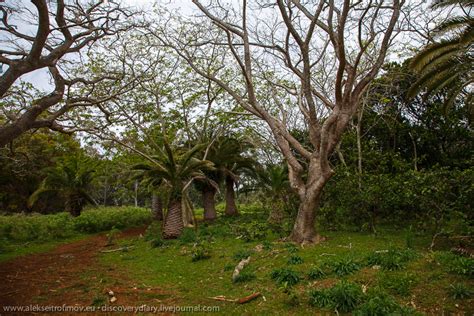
(320, 298)
(105, 218)
(252, 231)
(244, 276)
(456, 264)
(463, 266)
(379, 303)
(295, 259)
(392, 259)
(344, 296)
(70, 179)
(62, 225)
(157, 242)
(200, 252)
(188, 236)
(228, 267)
(111, 235)
(316, 273)
(398, 284)
(460, 291)
(152, 231)
(242, 254)
(291, 248)
(285, 276)
(344, 266)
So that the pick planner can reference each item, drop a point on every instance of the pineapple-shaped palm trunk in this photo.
(173, 225)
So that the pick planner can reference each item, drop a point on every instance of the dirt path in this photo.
(72, 275)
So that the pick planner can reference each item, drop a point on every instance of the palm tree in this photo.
(274, 182)
(448, 63)
(71, 179)
(227, 154)
(176, 170)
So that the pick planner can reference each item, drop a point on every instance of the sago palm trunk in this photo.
(209, 204)
(173, 226)
(73, 205)
(157, 207)
(230, 206)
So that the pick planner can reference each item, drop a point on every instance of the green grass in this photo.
(12, 250)
(170, 268)
(27, 234)
(199, 265)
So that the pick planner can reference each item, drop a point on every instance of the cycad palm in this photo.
(174, 169)
(274, 182)
(71, 179)
(448, 64)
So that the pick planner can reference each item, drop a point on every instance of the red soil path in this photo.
(72, 275)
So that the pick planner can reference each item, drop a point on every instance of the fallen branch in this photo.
(249, 298)
(242, 300)
(118, 249)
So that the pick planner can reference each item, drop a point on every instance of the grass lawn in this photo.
(414, 279)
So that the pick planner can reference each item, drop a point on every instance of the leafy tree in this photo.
(175, 169)
(71, 179)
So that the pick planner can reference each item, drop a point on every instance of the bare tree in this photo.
(63, 28)
(314, 56)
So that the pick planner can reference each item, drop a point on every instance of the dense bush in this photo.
(438, 200)
(61, 225)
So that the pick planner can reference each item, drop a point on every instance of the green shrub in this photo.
(104, 218)
(153, 231)
(188, 236)
(291, 248)
(316, 273)
(460, 291)
(346, 296)
(252, 231)
(244, 276)
(229, 267)
(380, 304)
(200, 252)
(463, 266)
(455, 264)
(392, 259)
(62, 225)
(398, 284)
(157, 242)
(320, 298)
(295, 259)
(344, 266)
(242, 254)
(285, 276)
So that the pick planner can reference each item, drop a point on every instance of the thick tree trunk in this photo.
(73, 206)
(157, 207)
(230, 206)
(173, 226)
(208, 201)
(304, 230)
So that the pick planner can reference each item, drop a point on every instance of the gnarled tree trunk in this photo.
(209, 204)
(230, 206)
(173, 226)
(157, 207)
(304, 230)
